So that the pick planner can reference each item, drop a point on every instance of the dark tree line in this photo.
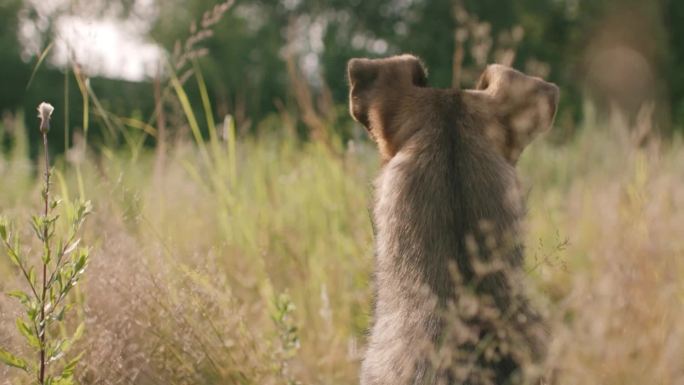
(245, 65)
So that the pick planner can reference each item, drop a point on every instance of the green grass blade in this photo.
(40, 61)
(190, 116)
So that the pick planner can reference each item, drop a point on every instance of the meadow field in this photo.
(248, 260)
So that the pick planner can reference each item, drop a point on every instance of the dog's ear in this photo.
(371, 80)
(524, 106)
(418, 71)
(361, 74)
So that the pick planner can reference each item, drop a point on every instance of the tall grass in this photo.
(258, 271)
(192, 272)
(617, 295)
(248, 260)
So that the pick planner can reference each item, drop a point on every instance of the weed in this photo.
(61, 266)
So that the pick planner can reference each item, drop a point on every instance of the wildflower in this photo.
(44, 113)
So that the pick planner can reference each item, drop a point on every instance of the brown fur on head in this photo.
(375, 87)
(511, 107)
(521, 107)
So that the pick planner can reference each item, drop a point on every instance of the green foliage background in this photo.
(246, 73)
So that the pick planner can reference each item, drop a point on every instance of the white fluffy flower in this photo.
(44, 113)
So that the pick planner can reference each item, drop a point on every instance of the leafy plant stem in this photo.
(46, 211)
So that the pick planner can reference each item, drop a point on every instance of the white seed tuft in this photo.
(44, 113)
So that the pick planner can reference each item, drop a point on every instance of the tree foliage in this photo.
(244, 60)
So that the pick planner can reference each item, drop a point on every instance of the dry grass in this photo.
(194, 271)
(619, 292)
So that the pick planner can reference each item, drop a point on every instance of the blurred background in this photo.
(231, 237)
(263, 59)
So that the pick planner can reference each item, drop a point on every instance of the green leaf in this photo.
(28, 333)
(4, 228)
(73, 272)
(55, 203)
(83, 210)
(60, 280)
(78, 333)
(13, 256)
(9, 359)
(60, 245)
(32, 311)
(63, 380)
(32, 276)
(20, 295)
(52, 219)
(37, 224)
(71, 365)
(47, 256)
(79, 266)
